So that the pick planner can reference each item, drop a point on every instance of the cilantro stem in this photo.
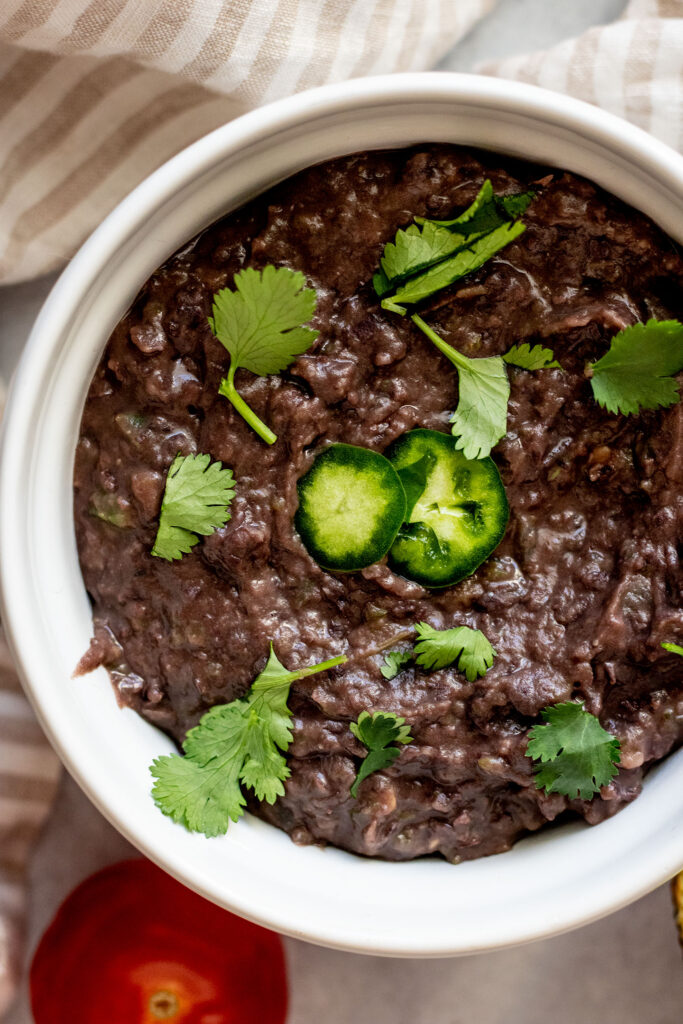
(229, 391)
(322, 667)
(455, 357)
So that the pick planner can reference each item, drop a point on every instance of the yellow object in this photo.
(677, 890)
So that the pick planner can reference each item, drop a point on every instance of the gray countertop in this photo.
(625, 969)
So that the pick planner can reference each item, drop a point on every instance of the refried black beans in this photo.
(576, 600)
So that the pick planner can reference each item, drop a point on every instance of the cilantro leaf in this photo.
(438, 648)
(638, 370)
(487, 211)
(260, 324)
(480, 419)
(235, 745)
(432, 254)
(203, 792)
(445, 273)
(483, 201)
(380, 283)
(575, 755)
(536, 358)
(416, 248)
(196, 499)
(516, 205)
(394, 661)
(671, 648)
(379, 733)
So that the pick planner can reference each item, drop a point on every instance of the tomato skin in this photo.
(131, 945)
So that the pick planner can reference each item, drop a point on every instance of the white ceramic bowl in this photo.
(553, 881)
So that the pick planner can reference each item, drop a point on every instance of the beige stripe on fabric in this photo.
(382, 41)
(22, 788)
(31, 15)
(218, 47)
(125, 31)
(161, 33)
(79, 101)
(241, 70)
(579, 76)
(15, 842)
(39, 760)
(380, 33)
(91, 25)
(406, 51)
(662, 8)
(428, 29)
(640, 64)
(666, 87)
(86, 136)
(191, 37)
(80, 144)
(268, 59)
(44, 95)
(332, 16)
(13, 855)
(632, 67)
(361, 20)
(61, 201)
(26, 71)
(53, 245)
(394, 40)
(12, 863)
(298, 54)
(19, 808)
(21, 730)
(15, 708)
(8, 680)
(11, 905)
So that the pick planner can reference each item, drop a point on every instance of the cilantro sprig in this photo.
(379, 733)
(480, 419)
(673, 648)
(447, 272)
(466, 647)
(430, 255)
(394, 661)
(414, 249)
(260, 323)
(574, 755)
(196, 498)
(235, 745)
(531, 358)
(488, 211)
(638, 370)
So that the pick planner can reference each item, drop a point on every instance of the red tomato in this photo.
(132, 946)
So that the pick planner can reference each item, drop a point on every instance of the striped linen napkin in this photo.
(633, 67)
(95, 95)
(28, 779)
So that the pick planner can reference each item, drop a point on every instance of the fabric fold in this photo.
(95, 95)
(632, 67)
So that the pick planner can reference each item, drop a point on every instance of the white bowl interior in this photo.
(555, 880)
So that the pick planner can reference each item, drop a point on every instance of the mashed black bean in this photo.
(576, 600)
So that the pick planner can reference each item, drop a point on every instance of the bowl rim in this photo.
(635, 147)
